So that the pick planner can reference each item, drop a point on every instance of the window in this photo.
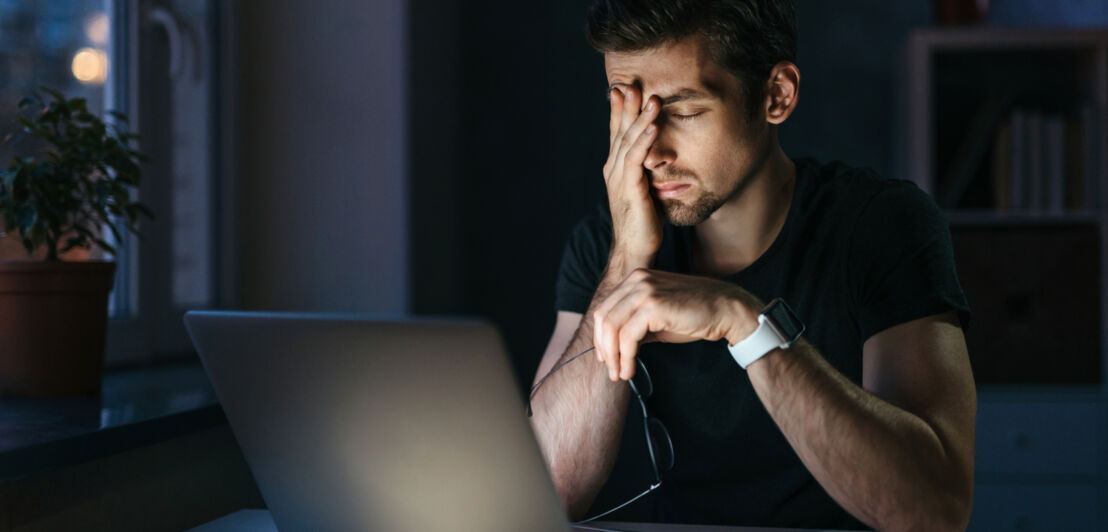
(153, 60)
(61, 45)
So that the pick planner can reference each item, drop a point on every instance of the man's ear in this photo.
(782, 92)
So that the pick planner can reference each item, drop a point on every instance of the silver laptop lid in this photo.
(371, 423)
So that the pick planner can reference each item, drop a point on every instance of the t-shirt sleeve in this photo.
(583, 263)
(902, 261)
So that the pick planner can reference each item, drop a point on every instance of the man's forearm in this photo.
(579, 414)
(883, 464)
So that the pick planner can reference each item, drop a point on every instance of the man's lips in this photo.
(669, 190)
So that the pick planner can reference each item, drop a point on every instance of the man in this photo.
(869, 415)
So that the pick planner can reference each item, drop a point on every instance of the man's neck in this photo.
(745, 227)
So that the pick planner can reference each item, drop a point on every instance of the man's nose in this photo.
(660, 154)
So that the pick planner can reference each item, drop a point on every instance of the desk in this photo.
(260, 521)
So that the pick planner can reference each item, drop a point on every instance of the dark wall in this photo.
(508, 135)
(322, 175)
(846, 54)
(507, 148)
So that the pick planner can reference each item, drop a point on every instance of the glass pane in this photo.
(61, 44)
(192, 125)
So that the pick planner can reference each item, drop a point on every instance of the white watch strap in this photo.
(765, 339)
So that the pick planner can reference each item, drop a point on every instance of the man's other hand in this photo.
(668, 307)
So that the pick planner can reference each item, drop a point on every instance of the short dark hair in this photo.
(746, 37)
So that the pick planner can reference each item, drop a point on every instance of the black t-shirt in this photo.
(857, 254)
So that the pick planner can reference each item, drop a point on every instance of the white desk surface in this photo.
(260, 521)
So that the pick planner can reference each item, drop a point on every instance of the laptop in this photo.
(375, 423)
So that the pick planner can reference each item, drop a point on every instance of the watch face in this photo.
(784, 319)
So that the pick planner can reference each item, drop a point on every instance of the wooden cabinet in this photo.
(1007, 129)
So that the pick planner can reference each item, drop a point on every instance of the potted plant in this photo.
(76, 184)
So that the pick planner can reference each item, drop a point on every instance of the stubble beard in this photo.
(683, 214)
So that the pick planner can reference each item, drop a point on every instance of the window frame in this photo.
(152, 327)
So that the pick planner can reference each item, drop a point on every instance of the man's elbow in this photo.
(574, 500)
(947, 494)
(945, 510)
(574, 507)
(955, 512)
(956, 498)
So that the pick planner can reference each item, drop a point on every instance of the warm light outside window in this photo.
(64, 45)
(153, 60)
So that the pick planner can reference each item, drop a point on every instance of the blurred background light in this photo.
(97, 29)
(90, 66)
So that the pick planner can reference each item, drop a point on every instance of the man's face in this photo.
(704, 138)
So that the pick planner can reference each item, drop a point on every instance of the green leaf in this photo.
(57, 95)
(144, 210)
(37, 235)
(80, 181)
(104, 245)
(25, 218)
(73, 242)
(115, 231)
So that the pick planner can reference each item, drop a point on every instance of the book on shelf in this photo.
(1017, 138)
(1054, 164)
(1092, 157)
(1001, 169)
(1035, 161)
(1075, 165)
(974, 149)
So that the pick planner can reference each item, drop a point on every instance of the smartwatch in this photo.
(778, 328)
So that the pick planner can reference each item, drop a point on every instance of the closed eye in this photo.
(689, 116)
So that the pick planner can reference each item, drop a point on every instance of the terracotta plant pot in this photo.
(53, 324)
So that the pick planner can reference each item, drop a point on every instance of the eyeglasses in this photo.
(658, 443)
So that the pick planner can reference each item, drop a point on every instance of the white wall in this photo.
(322, 201)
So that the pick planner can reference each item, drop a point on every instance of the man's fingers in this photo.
(615, 98)
(642, 127)
(606, 342)
(632, 124)
(614, 166)
(598, 335)
(612, 323)
(611, 349)
(636, 153)
(630, 336)
(603, 310)
(632, 104)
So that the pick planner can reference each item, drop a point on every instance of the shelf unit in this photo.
(1042, 424)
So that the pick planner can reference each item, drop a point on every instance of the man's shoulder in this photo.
(838, 174)
(596, 222)
(853, 188)
(591, 235)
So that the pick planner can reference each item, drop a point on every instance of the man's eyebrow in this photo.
(679, 96)
(683, 95)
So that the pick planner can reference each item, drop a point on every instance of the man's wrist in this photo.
(622, 263)
(744, 321)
